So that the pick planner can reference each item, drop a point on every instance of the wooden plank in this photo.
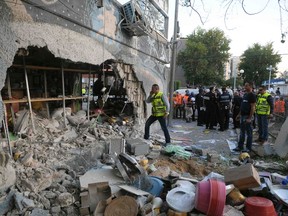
(63, 93)
(28, 95)
(41, 99)
(46, 94)
(35, 67)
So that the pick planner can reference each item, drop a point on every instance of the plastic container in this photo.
(259, 206)
(202, 196)
(210, 197)
(156, 186)
(180, 199)
(217, 198)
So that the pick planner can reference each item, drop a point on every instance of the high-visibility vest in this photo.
(185, 98)
(262, 105)
(179, 99)
(279, 106)
(158, 106)
(174, 101)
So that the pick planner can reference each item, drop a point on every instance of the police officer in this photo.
(210, 100)
(224, 108)
(199, 100)
(236, 103)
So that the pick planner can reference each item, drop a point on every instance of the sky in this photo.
(242, 29)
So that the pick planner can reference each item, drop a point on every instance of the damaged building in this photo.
(50, 50)
(73, 74)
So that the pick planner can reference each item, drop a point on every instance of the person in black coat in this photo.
(199, 100)
(236, 103)
(224, 109)
(211, 105)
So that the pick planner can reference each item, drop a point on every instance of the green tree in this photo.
(204, 57)
(255, 61)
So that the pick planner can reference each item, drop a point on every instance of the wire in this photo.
(228, 5)
(244, 9)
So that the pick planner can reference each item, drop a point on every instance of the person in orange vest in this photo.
(184, 101)
(174, 105)
(178, 105)
(279, 108)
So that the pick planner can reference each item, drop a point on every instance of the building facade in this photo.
(87, 37)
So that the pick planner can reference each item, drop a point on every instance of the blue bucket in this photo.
(156, 186)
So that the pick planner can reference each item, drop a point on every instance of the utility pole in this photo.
(173, 62)
(270, 70)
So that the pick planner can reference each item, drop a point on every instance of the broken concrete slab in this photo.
(100, 191)
(263, 150)
(8, 177)
(22, 202)
(281, 143)
(39, 212)
(102, 175)
(213, 157)
(6, 203)
(116, 146)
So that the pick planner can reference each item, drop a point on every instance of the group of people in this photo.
(258, 105)
(214, 108)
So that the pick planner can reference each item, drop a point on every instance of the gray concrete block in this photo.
(264, 149)
(137, 146)
(199, 150)
(213, 157)
(7, 204)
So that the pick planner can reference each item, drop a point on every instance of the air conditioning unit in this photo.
(134, 22)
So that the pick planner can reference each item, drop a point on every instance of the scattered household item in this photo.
(259, 206)
(243, 177)
(280, 192)
(279, 179)
(156, 205)
(180, 200)
(156, 186)
(186, 185)
(235, 198)
(210, 197)
(175, 213)
(215, 176)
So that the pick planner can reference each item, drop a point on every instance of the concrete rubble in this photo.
(91, 168)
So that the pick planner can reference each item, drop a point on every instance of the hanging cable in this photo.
(244, 9)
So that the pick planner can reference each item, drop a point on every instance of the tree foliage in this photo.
(255, 61)
(204, 57)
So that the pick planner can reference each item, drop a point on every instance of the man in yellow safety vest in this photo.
(160, 110)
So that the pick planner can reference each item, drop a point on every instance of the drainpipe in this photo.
(173, 63)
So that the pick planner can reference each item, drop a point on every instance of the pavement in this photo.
(189, 134)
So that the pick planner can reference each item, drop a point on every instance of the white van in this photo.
(183, 91)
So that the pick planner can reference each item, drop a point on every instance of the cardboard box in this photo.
(243, 177)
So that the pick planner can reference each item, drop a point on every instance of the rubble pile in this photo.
(81, 167)
(49, 161)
